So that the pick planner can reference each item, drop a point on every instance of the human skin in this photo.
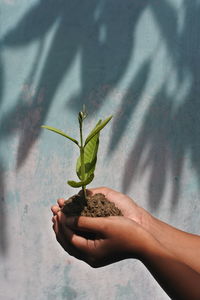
(169, 254)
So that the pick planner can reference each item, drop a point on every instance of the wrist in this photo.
(141, 242)
(145, 219)
(150, 226)
(152, 249)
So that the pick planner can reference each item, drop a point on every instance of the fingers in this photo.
(102, 190)
(64, 237)
(110, 194)
(55, 224)
(71, 243)
(55, 209)
(95, 225)
(77, 240)
(61, 202)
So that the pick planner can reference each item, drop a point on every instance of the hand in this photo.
(115, 238)
(168, 253)
(131, 211)
(128, 207)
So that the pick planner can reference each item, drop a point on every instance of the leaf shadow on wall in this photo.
(170, 132)
(89, 28)
(3, 238)
(102, 32)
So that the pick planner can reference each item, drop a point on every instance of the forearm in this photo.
(177, 279)
(185, 246)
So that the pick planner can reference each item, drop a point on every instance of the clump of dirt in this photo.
(93, 206)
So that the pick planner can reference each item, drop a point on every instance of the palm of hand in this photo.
(128, 207)
(115, 234)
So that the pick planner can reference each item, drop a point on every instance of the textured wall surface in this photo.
(137, 60)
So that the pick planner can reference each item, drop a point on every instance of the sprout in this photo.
(86, 162)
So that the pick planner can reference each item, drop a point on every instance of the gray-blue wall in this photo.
(138, 60)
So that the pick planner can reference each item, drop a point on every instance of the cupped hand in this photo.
(128, 207)
(115, 238)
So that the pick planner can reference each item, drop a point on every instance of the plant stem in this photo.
(82, 159)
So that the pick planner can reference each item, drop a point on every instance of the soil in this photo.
(93, 206)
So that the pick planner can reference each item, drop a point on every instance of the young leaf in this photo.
(90, 156)
(82, 114)
(60, 132)
(81, 183)
(97, 129)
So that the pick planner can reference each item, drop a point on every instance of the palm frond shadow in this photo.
(171, 132)
(101, 32)
(3, 225)
(103, 62)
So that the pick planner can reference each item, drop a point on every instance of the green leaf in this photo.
(81, 183)
(97, 129)
(60, 132)
(90, 155)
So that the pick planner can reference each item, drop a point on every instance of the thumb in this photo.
(89, 224)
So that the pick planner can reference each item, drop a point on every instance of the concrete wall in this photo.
(137, 60)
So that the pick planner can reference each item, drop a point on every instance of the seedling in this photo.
(86, 162)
